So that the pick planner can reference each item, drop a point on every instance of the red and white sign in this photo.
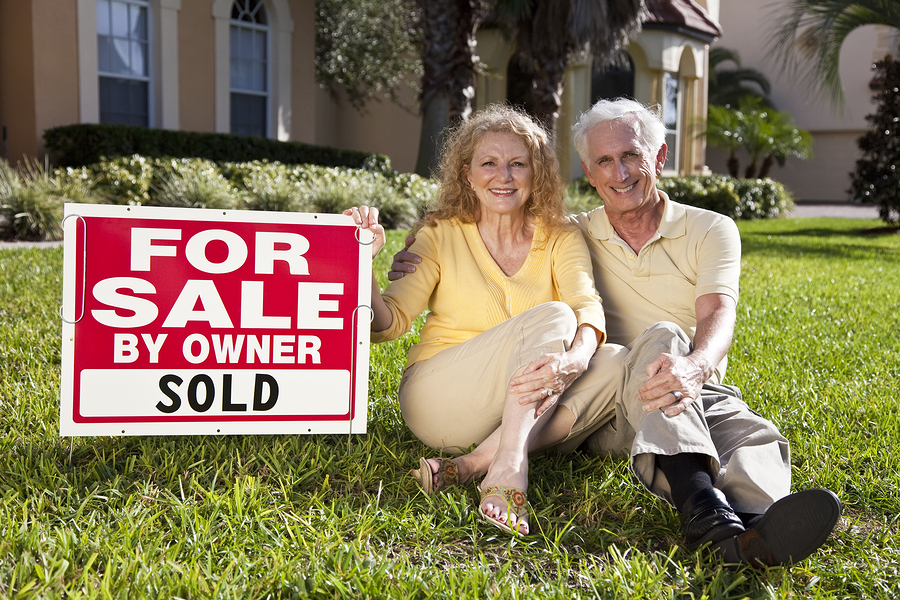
(200, 321)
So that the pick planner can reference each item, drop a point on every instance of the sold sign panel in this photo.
(199, 321)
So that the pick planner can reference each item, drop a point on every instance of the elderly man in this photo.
(668, 276)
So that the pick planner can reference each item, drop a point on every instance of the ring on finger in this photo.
(677, 396)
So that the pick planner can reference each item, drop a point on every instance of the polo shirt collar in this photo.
(673, 224)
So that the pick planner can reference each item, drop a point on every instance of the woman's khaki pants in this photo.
(455, 398)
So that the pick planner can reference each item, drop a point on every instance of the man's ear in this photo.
(661, 158)
(587, 172)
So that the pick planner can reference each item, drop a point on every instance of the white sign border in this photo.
(68, 427)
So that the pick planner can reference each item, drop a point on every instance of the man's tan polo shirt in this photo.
(694, 252)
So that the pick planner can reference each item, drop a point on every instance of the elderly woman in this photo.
(510, 356)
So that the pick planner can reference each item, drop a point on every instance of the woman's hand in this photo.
(547, 377)
(366, 217)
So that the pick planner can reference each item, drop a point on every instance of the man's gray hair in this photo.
(651, 130)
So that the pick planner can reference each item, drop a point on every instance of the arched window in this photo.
(671, 106)
(123, 61)
(616, 81)
(249, 45)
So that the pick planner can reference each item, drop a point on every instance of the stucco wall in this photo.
(747, 24)
(303, 72)
(383, 127)
(197, 67)
(55, 66)
(16, 80)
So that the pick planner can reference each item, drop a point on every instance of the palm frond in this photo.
(808, 35)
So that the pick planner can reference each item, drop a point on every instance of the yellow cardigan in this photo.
(467, 293)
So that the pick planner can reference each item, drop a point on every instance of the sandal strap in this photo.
(516, 501)
(447, 474)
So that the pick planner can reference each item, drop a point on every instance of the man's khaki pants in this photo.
(749, 459)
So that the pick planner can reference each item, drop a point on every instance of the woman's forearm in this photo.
(381, 314)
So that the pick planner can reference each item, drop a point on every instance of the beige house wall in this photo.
(196, 67)
(383, 127)
(55, 66)
(17, 102)
(826, 176)
(38, 72)
(303, 72)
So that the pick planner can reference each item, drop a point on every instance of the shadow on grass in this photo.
(823, 242)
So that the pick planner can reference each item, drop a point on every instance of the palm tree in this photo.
(766, 135)
(448, 64)
(811, 33)
(728, 85)
(552, 32)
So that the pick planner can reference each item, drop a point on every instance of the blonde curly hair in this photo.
(457, 200)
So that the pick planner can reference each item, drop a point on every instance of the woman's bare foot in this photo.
(510, 482)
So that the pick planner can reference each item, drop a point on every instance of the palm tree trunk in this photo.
(448, 78)
(547, 87)
(733, 165)
(767, 163)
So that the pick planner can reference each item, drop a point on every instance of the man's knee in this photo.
(659, 338)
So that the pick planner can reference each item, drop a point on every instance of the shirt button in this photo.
(632, 255)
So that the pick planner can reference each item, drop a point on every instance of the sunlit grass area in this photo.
(816, 350)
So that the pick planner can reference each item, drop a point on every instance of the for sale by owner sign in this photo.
(192, 321)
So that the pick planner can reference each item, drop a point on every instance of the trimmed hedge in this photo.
(745, 199)
(85, 144)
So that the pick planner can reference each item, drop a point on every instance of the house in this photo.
(242, 66)
(826, 176)
(247, 66)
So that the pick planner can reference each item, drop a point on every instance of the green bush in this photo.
(32, 206)
(713, 193)
(85, 144)
(737, 198)
(762, 199)
(191, 183)
(31, 202)
(119, 180)
(876, 179)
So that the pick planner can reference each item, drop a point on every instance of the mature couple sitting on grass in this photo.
(518, 354)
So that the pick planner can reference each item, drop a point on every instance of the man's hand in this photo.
(404, 261)
(673, 382)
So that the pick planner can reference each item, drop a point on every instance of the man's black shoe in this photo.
(788, 532)
(709, 519)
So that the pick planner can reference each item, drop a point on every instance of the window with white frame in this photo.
(249, 44)
(671, 104)
(123, 61)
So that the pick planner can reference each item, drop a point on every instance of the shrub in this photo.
(85, 144)
(876, 179)
(712, 192)
(761, 199)
(736, 198)
(330, 190)
(31, 203)
(190, 183)
(120, 180)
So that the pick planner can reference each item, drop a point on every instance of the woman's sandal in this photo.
(516, 504)
(447, 474)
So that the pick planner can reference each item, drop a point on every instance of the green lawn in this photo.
(817, 350)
